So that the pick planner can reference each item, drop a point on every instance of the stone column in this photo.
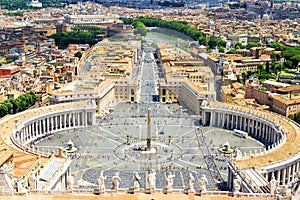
(259, 130)
(65, 120)
(231, 126)
(40, 127)
(70, 120)
(36, 128)
(21, 135)
(84, 118)
(256, 129)
(271, 135)
(228, 120)
(212, 118)
(26, 133)
(57, 122)
(267, 131)
(61, 121)
(293, 171)
(48, 124)
(52, 124)
(73, 119)
(44, 125)
(78, 117)
(272, 174)
(32, 130)
(93, 118)
(263, 127)
(278, 176)
(289, 174)
(297, 166)
(283, 176)
(202, 117)
(252, 129)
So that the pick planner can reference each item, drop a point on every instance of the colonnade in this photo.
(256, 126)
(48, 124)
(261, 126)
(284, 173)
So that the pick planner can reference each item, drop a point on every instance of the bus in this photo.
(240, 133)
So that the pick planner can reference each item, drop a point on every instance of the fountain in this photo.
(226, 149)
(71, 148)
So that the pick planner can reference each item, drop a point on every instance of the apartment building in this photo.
(282, 98)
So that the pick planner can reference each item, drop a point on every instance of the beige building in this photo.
(233, 92)
(281, 98)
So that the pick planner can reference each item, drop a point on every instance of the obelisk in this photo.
(148, 132)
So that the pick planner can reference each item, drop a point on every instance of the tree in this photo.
(222, 43)
(291, 56)
(245, 76)
(62, 40)
(278, 67)
(15, 105)
(140, 28)
(213, 42)
(238, 45)
(3, 110)
(267, 67)
(260, 68)
(291, 116)
(278, 46)
(12, 106)
(231, 51)
(274, 57)
(221, 49)
(288, 64)
(78, 54)
(251, 45)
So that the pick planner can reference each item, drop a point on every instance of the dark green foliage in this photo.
(23, 4)
(238, 45)
(95, 30)
(221, 49)
(274, 57)
(263, 72)
(231, 51)
(12, 106)
(295, 117)
(213, 42)
(268, 67)
(78, 54)
(14, 14)
(62, 40)
(251, 44)
(278, 46)
(139, 28)
(292, 56)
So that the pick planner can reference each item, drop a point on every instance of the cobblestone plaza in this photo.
(182, 146)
